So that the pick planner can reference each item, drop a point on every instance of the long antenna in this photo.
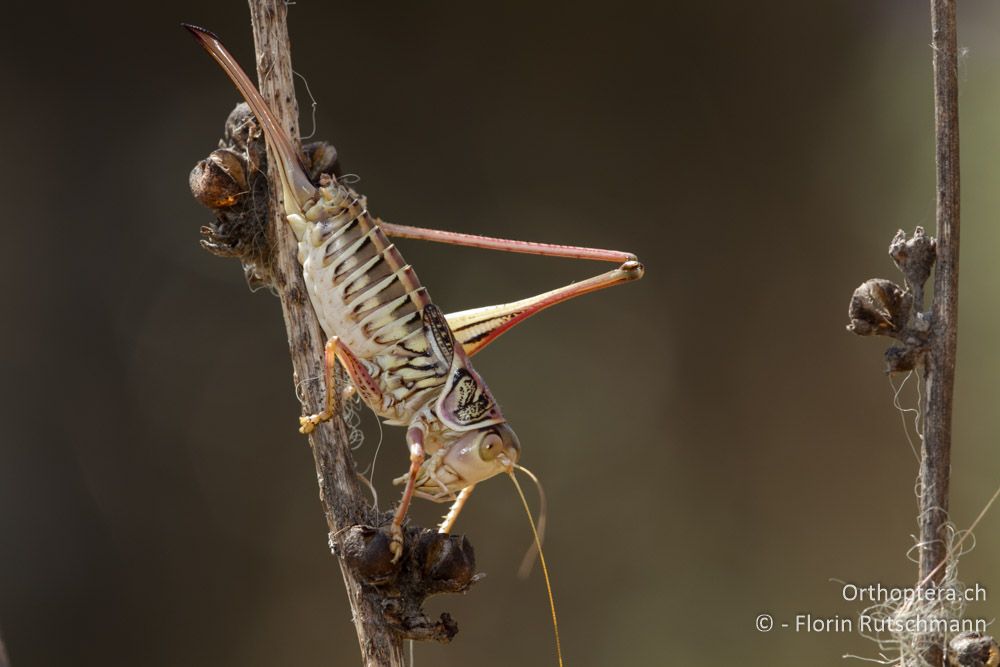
(545, 569)
(529, 557)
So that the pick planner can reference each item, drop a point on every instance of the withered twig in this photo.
(928, 338)
(340, 493)
(935, 464)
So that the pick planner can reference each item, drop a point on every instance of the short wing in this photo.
(465, 402)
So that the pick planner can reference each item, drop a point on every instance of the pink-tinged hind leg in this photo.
(506, 245)
(478, 327)
(415, 441)
(361, 380)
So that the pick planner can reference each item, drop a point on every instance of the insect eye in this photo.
(490, 446)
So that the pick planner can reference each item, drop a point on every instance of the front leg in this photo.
(428, 474)
(415, 442)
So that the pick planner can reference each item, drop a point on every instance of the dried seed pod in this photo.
(879, 307)
(322, 158)
(219, 180)
(973, 649)
(418, 627)
(914, 257)
(366, 550)
(241, 130)
(903, 358)
(449, 562)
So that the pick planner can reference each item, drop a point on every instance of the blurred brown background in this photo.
(713, 443)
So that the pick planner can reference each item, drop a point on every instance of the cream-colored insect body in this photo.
(408, 362)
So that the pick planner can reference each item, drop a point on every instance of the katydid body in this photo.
(408, 362)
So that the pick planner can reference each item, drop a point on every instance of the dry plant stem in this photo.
(940, 360)
(927, 339)
(340, 493)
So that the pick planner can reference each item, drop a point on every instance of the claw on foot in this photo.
(307, 424)
(396, 542)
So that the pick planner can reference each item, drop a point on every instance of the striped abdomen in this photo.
(365, 293)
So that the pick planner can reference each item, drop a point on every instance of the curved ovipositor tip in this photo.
(296, 184)
(196, 31)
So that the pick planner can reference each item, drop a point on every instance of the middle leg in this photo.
(361, 381)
